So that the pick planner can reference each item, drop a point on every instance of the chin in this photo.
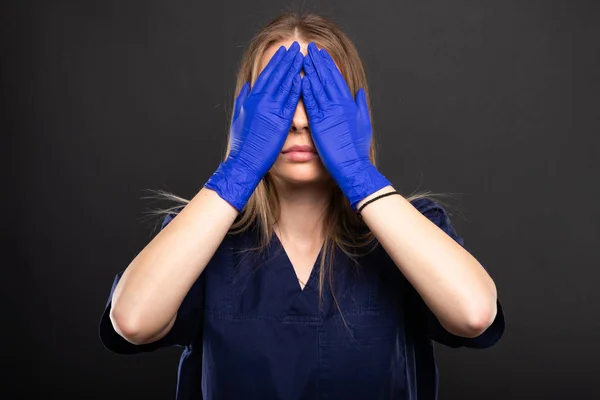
(300, 173)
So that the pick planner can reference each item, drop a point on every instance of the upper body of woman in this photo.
(269, 278)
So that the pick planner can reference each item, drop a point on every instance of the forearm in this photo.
(450, 280)
(155, 283)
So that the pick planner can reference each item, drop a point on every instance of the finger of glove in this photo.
(310, 103)
(323, 72)
(361, 103)
(294, 96)
(338, 78)
(279, 72)
(237, 106)
(283, 91)
(318, 92)
(263, 77)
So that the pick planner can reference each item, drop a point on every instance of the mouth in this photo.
(299, 156)
(300, 148)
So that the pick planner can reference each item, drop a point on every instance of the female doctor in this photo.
(298, 271)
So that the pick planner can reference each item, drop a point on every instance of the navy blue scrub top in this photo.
(248, 330)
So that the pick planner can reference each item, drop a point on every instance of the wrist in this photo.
(387, 189)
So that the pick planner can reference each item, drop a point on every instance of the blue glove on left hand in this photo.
(340, 127)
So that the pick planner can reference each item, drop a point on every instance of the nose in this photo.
(300, 119)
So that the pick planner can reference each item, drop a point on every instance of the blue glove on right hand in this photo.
(261, 121)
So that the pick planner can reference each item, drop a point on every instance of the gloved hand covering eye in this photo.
(340, 127)
(261, 121)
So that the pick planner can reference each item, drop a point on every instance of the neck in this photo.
(302, 212)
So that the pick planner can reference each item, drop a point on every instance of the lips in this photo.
(300, 148)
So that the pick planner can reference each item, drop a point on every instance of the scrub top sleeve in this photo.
(438, 215)
(184, 330)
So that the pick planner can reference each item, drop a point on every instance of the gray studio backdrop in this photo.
(495, 101)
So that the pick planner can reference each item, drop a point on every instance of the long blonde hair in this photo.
(343, 228)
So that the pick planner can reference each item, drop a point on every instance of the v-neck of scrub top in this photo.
(301, 303)
(279, 244)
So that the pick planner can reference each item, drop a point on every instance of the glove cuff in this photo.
(366, 181)
(233, 184)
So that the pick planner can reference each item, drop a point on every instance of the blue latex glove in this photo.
(340, 126)
(260, 125)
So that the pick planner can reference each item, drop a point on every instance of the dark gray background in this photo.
(494, 100)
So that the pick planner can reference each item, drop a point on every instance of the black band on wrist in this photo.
(373, 199)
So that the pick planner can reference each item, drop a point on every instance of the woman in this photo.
(272, 277)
